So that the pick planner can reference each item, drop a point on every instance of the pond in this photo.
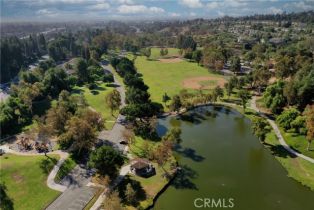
(225, 165)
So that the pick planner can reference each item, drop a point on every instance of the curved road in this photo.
(277, 132)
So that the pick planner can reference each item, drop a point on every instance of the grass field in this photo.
(168, 77)
(297, 168)
(298, 142)
(25, 180)
(96, 99)
(155, 53)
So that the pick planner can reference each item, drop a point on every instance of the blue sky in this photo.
(59, 10)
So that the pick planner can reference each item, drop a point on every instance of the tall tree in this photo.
(260, 128)
(309, 121)
(113, 100)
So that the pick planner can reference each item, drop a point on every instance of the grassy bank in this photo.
(25, 179)
(96, 99)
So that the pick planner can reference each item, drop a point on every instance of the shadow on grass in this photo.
(6, 203)
(94, 92)
(139, 192)
(279, 151)
(183, 178)
(47, 164)
(112, 85)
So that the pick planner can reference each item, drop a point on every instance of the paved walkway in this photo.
(278, 134)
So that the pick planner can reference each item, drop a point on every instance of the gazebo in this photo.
(142, 167)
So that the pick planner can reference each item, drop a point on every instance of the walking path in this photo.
(50, 180)
(278, 134)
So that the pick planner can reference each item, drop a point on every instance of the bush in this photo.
(287, 117)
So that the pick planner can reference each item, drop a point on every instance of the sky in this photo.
(71, 10)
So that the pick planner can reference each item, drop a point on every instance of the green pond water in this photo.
(221, 159)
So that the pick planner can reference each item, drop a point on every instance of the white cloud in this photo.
(125, 1)
(192, 3)
(192, 14)
(101, 6)
(46, 12)
(213, 5)
(275, 10)
(302, 5)
(174, 14)
(134, 9)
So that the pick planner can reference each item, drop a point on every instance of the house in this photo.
(142, 167)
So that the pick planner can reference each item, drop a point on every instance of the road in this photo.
(278, 134)
(114, 136)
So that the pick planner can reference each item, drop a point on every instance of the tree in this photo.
(176, 103)
(81, 69)
(218, 92)
(147, 52)
(162, 52)
(106, 160)
(244, 95)
(113, 100)
(81, 134)
(260, 128)
(309, 122)
(112, 202)
(197, 56)
(235, 65)
(130, 194)
(287, 117)
(273, 97)
(228, 86)
(174, 135)
(165, 98)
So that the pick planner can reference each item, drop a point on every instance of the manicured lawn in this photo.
(297, 168)
(25, 179)
(168, 77)
(155, 53)
(65, 168)
(96, 99)
(298, 142)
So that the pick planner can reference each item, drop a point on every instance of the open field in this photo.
(169, 78)
(96, 99)
(155, 53)
(25, 180)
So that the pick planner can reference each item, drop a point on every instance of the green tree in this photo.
(235, 65)
(165, 98)
(106, 160)
(81, 69)
(244, 95)
(113, 100)
(287, 117)
(218, 92)
(309, 122)
(228, 86)
(260, 128)
(175, 103)
(197, 56)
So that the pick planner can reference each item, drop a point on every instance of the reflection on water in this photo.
(220, 157)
